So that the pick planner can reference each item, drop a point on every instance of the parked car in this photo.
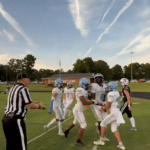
(134, 81)
(148, 81)
(141, 80)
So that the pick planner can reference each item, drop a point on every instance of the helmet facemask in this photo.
(99, 80)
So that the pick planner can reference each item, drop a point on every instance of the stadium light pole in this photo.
(131, 65)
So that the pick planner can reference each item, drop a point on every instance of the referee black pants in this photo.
(15, 133)
(125, 109)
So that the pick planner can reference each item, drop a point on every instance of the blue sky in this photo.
(68, 30)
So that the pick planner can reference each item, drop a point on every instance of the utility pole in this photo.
(131, 66)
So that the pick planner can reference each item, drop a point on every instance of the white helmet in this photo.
(124, 81)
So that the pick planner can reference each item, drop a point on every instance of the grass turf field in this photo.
(35, 120)
(135, 87)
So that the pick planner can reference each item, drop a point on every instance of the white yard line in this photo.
(95, 147)
(48, 131)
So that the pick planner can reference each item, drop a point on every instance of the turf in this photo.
(51, 140)
(135, 87)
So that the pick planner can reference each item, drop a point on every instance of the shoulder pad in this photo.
(127, 88)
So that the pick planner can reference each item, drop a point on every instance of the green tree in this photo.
(116, 72)
(103, 68)
(79, 66)
(89, 64)
(28, 64)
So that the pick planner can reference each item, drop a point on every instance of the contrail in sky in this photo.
(88, 51)
(128, 4)
(137, 38)
(78, 10)
(113, 1)
(14, 24)
(10, 36)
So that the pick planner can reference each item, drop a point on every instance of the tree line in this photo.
(87, 65)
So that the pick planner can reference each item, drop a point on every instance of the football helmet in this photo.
(112, 86)
(59, 83)
(84, 83)
(69, 85)
(99, 78)
(124, 81)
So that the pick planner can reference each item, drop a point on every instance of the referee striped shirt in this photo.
(17, 100)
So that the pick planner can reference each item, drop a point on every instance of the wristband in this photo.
(129, 106)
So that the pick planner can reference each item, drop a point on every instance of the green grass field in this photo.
(136, 87)
(35, 120)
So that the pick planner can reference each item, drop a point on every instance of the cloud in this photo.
(80, 15)
(137, 39)
(15, 25)
(82, 12)
(145, 12)
(4, 58)
(40, 65)
(9, 35)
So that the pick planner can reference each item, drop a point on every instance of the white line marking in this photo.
(48, 130)
(95, 147)
(136, 103)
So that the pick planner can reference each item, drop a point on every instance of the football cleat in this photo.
(61, 133)
(99, 142)
(133, 129)
(45, 128)
(80, 144)
(121, 146)
(66, 133)
(106, 139)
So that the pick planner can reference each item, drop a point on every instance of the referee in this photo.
(18, 102)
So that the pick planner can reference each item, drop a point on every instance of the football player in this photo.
(98, 93)
(114, 117)
(55, 105)
(68, 98)
(81, 97)
(126, 108)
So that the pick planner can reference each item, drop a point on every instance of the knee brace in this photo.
(83, 125)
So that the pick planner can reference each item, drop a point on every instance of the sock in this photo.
(120, 143)
(51, 122)
(78, 140)
(132, 122)
(60, 126)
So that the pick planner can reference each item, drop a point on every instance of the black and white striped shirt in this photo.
(17, 100)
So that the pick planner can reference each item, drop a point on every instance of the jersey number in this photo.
(102, 97)
(117, 102)
(67, 94)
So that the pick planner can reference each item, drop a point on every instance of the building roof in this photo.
(71, 75)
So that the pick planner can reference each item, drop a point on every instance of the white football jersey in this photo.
(80, 92)
(58, 97)
(69, 93)
(99, 92)
(113, 97)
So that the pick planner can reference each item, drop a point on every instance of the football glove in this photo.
(51, 107)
